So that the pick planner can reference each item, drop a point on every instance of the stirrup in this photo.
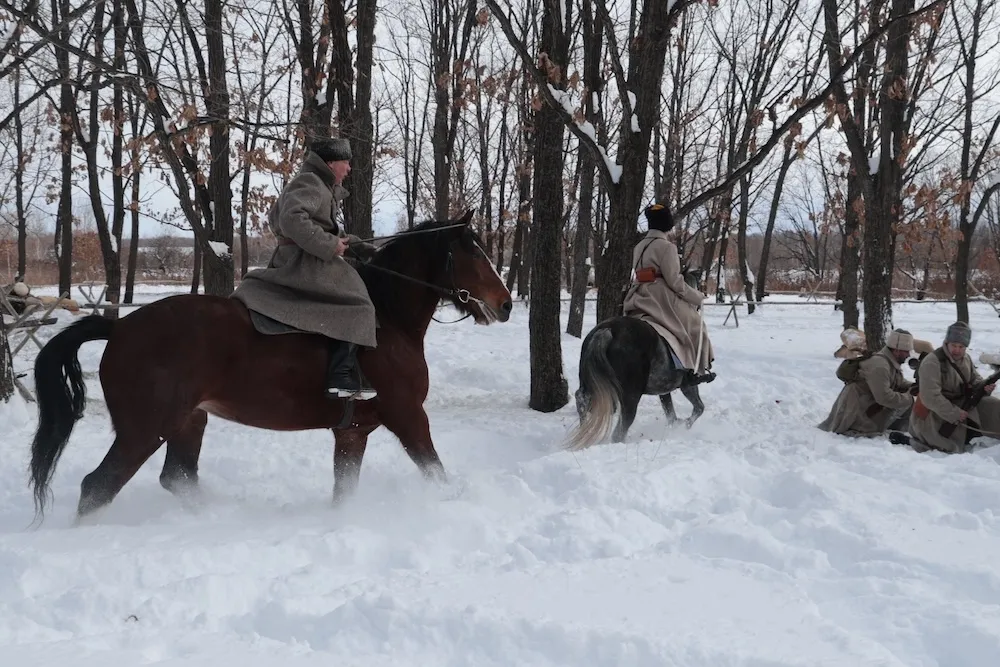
(361, 394)
(351, 388)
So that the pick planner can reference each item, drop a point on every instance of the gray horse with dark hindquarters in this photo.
(624, 358)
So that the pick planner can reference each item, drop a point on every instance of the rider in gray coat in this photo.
(308, 285)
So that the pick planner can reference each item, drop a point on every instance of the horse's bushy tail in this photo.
(61, 398)
(599, 390)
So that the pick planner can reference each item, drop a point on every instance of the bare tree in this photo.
(592, 82)
(876, 188)
(6, 366)
(354, 95)
(975, 21)
(410, 112)
(549, 389)
(451, 23)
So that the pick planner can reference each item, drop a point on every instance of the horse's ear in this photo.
(467, 218)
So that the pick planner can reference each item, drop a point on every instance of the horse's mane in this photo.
(402, 254)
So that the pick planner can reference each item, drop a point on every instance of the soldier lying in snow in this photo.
(875, 397)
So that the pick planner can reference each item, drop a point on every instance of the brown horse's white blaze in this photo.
(171, 362)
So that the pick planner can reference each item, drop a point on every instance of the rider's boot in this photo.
(703, 378)
(344, 378)
(694, 378)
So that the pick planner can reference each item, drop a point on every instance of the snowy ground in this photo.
(754, 539)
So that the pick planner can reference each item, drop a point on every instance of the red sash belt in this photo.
(647, 275)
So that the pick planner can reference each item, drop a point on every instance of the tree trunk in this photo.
(354, 93)
(109, 234)
(441, 70)
(524, 276)
(6, 367)
(218, 266)
(970, 166)
(549, 389)
(646, 61)
(741, 244)
(881, 218)
(581, 242)
(135, 173)
(67, 106)
(113, 263)
(196, 271)
(21, 157)
(962, 276)
(772, 216)
(588, 171)
(515, 253)
(850, 254)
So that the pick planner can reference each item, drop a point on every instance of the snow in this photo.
(634, 120)
(873, 164)
(752, 539)
(566, 101)
(320, 98)
(614, 168)
(219, 248)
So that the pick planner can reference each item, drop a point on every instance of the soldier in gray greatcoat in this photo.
(308, 285)
(879, 397)
(945, 377)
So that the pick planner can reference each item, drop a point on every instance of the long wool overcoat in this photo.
(880, 381)
(668, 303)
(942, 393)
(306, 285)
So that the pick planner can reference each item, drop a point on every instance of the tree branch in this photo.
(836, 80)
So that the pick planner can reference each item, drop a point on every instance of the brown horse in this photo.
(170, 363)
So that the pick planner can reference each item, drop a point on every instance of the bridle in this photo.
(462, 295)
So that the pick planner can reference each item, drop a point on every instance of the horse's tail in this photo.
(61, 398)
(600, 388)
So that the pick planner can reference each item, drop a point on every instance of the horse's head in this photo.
(449, 257)
(479, 290)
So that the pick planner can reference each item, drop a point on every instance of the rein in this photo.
(462, 295)
(412, 233)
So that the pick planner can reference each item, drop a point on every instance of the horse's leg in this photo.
(667, 401)
(690, 392)
(414, 433)
(347, 456)
(125, 457)
(180, 468)
(630, 403)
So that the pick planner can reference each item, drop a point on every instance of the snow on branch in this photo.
(559, 100)
(586, 127)
(220, 249)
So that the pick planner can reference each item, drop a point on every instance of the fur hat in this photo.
(959, 332)
(659, 218)
(900, 339)
(922, 346)
(854, 344)
(331, 150)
